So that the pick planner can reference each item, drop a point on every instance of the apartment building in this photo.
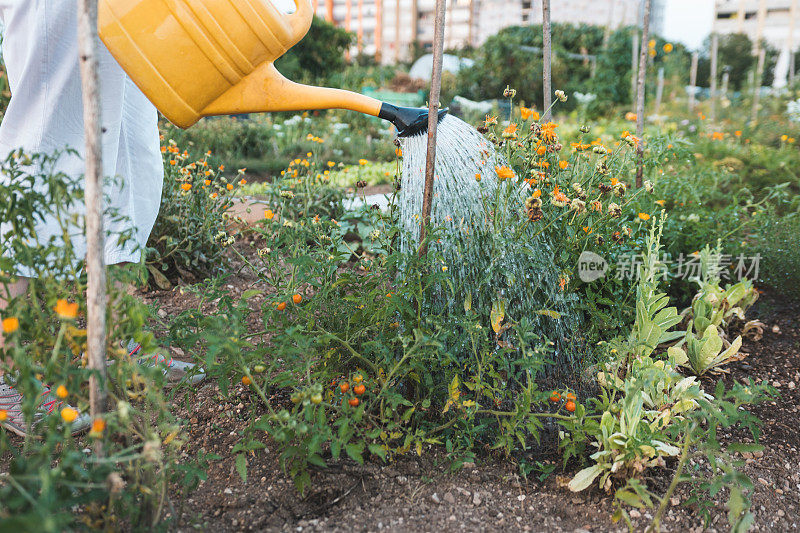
(772, 20)
(388, 28)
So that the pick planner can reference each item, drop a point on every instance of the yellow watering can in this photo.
(196, 58)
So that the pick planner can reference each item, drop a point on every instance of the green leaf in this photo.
(241, 466)
(355, 451)
(584, 478)
(376, 449)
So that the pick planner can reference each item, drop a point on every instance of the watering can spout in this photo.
(265, 89)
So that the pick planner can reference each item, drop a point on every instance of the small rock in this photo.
(521, 498)
(758, 454)
(776, 384)
(449, 498)
(476, 499)
(228, 491)
(435, 498)
(452, 518)
(776, 329)
(468, 464)
(162, 313)
(791, 385)
(634, 513)
(781, 513)
(674, 501)
(763, 481)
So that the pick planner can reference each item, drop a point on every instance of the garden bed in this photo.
(421, 493)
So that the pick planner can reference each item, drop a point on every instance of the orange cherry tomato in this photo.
(570, 406)
(359, 389)
(281, 306)
(555, 397)
(297, 298)
(246, 381)
(353, 402)
(344, 387)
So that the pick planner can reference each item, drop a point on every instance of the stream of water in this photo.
(485, 243)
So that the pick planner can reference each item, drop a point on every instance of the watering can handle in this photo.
(300, 20)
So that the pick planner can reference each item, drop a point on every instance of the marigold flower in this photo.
(631, 116)
(242, 182)
(559, 199)
(213, 195)
(477, 176)
(563, 164)
(667, 48)
(10, 325)
(331, 164)
(660, 202)
(488, 121)
(66, 310)
(652, 52)
(548, 133)
(510, 131)
(525, 113)
(541, 150)
(644, 216)
(784, 137)
(163, 149)
(186, 186)
(173, 162)
(398, 152)
(268, 214)
(562, 282)
(98, 426)
(62, 392)
(536, 193)
(229, 186)
(69, 414)
(504, 172)
(3, 415)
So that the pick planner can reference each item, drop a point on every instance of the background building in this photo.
(389, 28)
(772, 20)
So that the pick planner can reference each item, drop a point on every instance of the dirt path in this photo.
(420, 494)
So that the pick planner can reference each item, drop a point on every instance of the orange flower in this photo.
(3, 415)
(644, 216)
(268, 214)
(163, 149)
(229, 186)
(511, 130)
(173, 162)
(541, 150)
(213, 195)
(362, 162)
(630, 115)
(10, 325)
(242, 182)
(562, 282)
(186, 186)
(62, 392)
(98, 426)
(525, 113)
(398, 152)
(536, 193)
(504, 172)
(660, 202)
(69, 414)
(549, 132)
(738, 133)
(563, 164)
(207, 183)
(66, 310)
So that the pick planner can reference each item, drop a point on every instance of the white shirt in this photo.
(40, 49)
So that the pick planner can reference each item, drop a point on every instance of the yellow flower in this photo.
(667, 48)
(660, 202)
(331, 164)
(66, 310)
(62, 392)
(362, 162)
(504, 172)
(784, 137)
(207, 183)
(536, 193)
(652, 52)
(651, 43)
(563, 164)
(3, 415)
(10, 325)
(268, 214)
(69, 414)
(186, 186)
(644, 216)
(309, 154)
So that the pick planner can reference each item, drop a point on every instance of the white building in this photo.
(772, 20)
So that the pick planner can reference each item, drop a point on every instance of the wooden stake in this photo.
(433, 121)
(643, 53)
(693, 82)
(95, 260)
(713, 75)
(757, 85)
(546, 77)
(634, 66)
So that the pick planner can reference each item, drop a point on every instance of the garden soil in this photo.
(422, 494)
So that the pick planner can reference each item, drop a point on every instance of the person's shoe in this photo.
(11, 403)
(175, 371)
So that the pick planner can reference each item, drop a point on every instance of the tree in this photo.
(318, 56)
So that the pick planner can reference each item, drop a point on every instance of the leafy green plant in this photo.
(705, 353)
(50, 482)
